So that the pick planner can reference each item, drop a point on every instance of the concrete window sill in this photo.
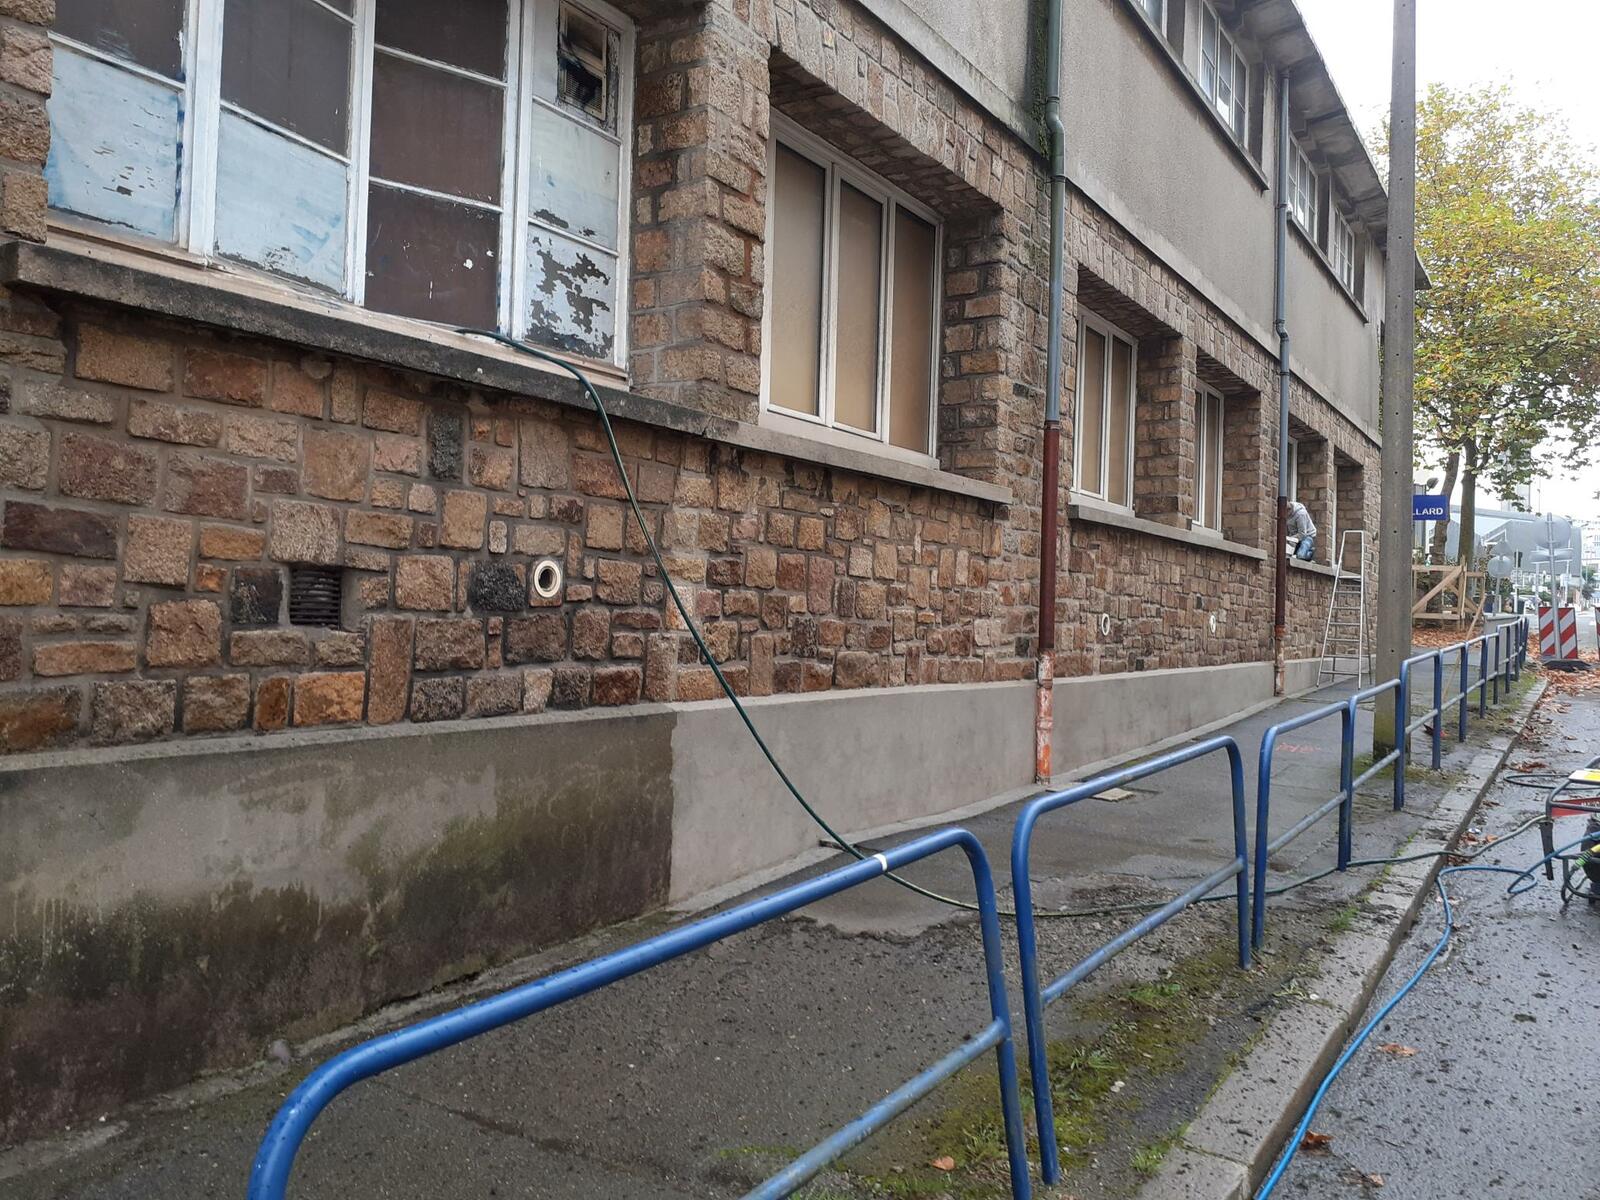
(1315, 568)
(1083, 509)
(113, 275)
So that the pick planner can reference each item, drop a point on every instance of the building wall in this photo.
(167, 453)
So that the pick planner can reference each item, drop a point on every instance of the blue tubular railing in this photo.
(1343, 800)
(1510, 655)
(1034, 999)
(275, 1159)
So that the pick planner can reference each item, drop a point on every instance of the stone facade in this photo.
(166, 484)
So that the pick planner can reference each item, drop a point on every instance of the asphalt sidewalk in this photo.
(698, 1078)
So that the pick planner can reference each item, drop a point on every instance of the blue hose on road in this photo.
(1524, 881)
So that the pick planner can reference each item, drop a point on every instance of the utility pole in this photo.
(1395, 588)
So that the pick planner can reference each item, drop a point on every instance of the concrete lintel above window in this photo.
(1095, 512)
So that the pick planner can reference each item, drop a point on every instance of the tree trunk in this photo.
(1441, 529)
(1469, 512)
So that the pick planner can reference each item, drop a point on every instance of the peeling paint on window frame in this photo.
(531, 64)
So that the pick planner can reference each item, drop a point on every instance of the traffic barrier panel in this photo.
(1035, 999)
(1558, 632)
(269, 1177)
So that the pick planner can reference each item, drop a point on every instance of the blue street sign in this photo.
(1430, 508)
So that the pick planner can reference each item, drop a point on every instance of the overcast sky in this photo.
(1545, 49)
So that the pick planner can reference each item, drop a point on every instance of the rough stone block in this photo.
(84, 658)
(494, 695)
(543, 449)
(445, 438)
(536, 685)
(24, 457)
(392, 413)
(541, 637)
(24, 581)
(94, 468)
(262, 437)
(133, 711)
(329, 698)
(617, 582)
(205, 486)
(298, 390)
(449, 644)
(38, 718)
(221, 375)
(87, 587)
(492, 469)
(461, 526)
(392, 530)
(272, 702)
(304, 533)
(161, 421)
(617, 685)
(231, 543)
(58, 401)
(59, 530)
(570, 687)
(437, 699)
(424, 582)
(158, 551)
(127, 359)
(397, 455)
(215, 703)
(336, 464)
(256, 596)
(389, 669)
(184, 633)
(497, 587)
(269, 648)
(591, 633)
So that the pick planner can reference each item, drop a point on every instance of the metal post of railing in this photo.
(1466, 696)
(1402, 739)
(1483, 676)
(1495, 678)
(1438, 708)
(1347, 787)
(1034, 995)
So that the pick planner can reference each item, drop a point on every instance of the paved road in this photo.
(1499, 1099)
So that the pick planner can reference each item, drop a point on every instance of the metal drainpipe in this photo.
(1281, 323)
(1044, 714)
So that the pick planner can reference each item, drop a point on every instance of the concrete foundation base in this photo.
(178, 907)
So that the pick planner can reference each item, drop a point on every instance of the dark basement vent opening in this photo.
(315, 595)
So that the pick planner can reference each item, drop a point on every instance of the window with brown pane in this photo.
(853, 299)
(459, 164)
(1103, 433)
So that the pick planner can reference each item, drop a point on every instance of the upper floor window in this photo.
(1224, 75)
(1103, 432)
(466, 170)
(852, 297)
(1156, 10)
(1302, 190)
(1208, 466)
(1342, 249)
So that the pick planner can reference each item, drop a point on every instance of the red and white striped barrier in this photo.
(1558, 633)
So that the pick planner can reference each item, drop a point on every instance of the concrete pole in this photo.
(1395, 590)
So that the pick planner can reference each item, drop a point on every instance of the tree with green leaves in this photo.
(1508, 335)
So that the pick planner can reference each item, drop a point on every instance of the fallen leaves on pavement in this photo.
(1316, 1143)
(1399, 1051)
(943, 1163)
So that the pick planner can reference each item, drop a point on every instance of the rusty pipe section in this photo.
(1050, 447)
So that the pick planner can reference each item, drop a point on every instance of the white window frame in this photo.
(531, 24)
(1342, 249)
(1209, 460)
(838, 171)
(1302, 190)
(1221, 64)
(1292, 484)
(1155, 10)
(1089, 320)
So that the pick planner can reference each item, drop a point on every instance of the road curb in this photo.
(1233, 1141)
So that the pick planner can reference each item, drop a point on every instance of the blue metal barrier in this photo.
(1034, 999)
(1509, 654)
(275, 1159)
(1343, 800)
